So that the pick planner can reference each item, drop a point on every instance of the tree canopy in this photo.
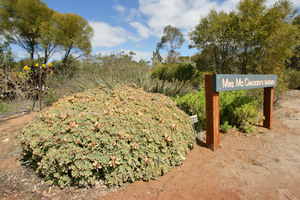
(21, 20)
(170, 41)
(6, 56)
(74, 33)
(156, 56)
(253, 39)
(32, 25)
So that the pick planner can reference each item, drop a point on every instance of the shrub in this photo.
(239, 110)
(236, 109)
(194, 104)
(117, 135)
(293, 79)
(110, 71)
(172, 89)
(180, 72)
(4, 107)
(225, 127)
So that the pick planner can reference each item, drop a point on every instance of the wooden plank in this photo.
(268, 107)
(212, 115)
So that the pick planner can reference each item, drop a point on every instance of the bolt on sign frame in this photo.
(226, 82)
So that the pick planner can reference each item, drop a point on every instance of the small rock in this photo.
(103, 193)
(6, 140)
(34, 188)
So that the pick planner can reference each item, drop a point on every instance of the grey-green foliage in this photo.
(170, 41)
(109, 70)
(35, 27)
(21, 20)
(156, 56)
(117, 135)
(6, 56)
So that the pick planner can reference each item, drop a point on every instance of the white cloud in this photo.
(108, 36)
(139, 54)
(184, 14)
(133, 14)
(142, 30)
(127, 14)
(121, 9)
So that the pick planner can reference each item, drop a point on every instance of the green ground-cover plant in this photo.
(117, 135)
(236, 109)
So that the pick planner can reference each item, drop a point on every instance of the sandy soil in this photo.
(264, 165)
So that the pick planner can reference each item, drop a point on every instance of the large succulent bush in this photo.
(117, 135)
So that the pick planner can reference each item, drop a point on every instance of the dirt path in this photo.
(264, 165)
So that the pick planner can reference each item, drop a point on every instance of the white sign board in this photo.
(194, 119)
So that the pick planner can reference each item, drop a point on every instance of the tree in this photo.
(49, 39)
(253, 39)
(74, 34)
(294, 62)
(156, 56)
(214, 39)
(170, 41)
(20, 22)
(6, 56)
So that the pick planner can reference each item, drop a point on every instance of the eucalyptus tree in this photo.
(74, 34)
(20, 22)
(156, 56)
(254, 38)
(6, 56)
(170, 41)
(213, 37)
(49, 40)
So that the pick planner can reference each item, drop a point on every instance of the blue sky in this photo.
(137, 25)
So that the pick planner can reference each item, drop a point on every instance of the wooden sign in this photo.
(228, 82)
(225, 82)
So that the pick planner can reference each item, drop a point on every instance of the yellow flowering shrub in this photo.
(26, 68)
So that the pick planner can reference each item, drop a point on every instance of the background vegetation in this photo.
(253, 39)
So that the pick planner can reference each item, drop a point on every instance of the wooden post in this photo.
(212, 115)
(268, 107)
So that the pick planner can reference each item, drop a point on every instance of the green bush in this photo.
(117, 135)
(293, 79)
(4, 107)
(236, 109)
(194, 104)
(169, 88)
(180, 72)
(225, 127)
(239, 110)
